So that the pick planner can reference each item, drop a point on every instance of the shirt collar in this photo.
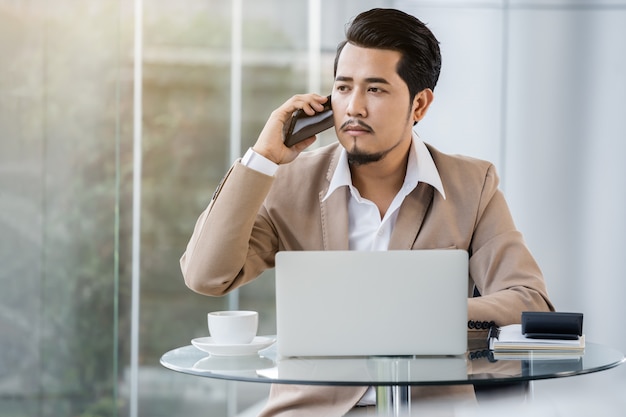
(420, 168)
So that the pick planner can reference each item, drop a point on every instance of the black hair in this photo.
(395, 30)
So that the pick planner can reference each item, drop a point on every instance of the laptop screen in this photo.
(354, 303)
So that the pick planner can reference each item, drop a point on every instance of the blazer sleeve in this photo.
(501, 265)
(231, 244)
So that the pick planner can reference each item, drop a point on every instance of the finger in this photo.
(300, 146)
(309, 103)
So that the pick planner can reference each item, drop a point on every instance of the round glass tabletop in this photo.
(477, 368)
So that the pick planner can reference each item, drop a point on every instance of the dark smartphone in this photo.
(302, 126)
(552, 325)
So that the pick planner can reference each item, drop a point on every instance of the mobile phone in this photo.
(302, 126)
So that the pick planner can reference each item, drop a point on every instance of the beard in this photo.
(357, 157)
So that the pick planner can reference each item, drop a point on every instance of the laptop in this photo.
(387, 303)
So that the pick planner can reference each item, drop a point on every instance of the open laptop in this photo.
(353, 303)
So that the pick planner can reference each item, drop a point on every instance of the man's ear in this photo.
(421, 103)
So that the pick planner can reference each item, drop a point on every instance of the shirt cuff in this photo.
(259, 163)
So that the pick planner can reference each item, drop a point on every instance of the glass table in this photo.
(392, 376)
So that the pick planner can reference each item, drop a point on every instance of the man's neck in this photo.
(380, 181)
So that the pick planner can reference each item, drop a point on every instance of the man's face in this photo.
(372, 111)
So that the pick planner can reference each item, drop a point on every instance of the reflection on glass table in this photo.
(393, 376)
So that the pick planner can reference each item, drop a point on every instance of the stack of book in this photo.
(509, 341)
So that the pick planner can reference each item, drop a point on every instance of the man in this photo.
(379, 188)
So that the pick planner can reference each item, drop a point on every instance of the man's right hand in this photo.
(270, 142)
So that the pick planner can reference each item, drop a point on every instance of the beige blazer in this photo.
(252, 216)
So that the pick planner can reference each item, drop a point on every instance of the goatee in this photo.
(357, 158)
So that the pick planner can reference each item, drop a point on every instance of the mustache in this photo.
(356, 122)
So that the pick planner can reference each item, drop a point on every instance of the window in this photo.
(66, 190)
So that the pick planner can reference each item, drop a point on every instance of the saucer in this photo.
(233, 365)
(207, 344)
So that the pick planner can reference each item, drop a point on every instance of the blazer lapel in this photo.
(334, 211)
(411, 217)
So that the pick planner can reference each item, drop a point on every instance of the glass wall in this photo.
(66, 189)
(64, 84)
(64, 93)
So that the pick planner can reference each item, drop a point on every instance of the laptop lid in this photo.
(354, 303)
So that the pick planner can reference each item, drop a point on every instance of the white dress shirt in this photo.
(366, 230)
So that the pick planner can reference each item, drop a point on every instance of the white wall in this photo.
(566, 114)
(539, 88)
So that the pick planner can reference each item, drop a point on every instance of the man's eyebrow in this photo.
(376, 80)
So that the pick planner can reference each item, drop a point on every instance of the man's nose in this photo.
(356, 105)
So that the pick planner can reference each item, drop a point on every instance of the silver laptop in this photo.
(353, 303)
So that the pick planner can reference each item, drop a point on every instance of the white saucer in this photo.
(233, 365)
(207, 344)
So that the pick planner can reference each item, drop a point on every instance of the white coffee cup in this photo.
(233, 327)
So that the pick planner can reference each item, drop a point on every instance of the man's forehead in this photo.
(370, 64)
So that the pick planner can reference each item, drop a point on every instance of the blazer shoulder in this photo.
(465, 171)
(461, 162)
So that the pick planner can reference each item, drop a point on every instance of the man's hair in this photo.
(394, 30)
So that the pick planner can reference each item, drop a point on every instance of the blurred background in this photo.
(118, 119)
